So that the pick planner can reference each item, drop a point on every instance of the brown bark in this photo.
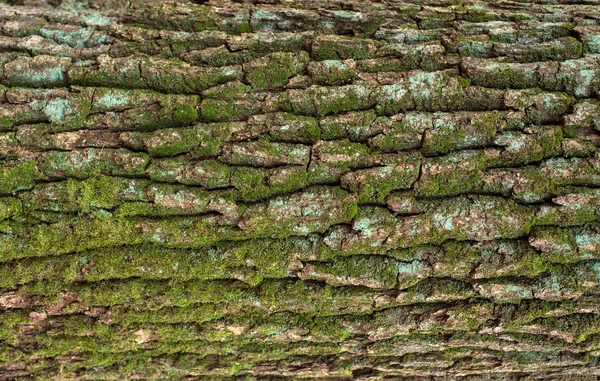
(299, 189)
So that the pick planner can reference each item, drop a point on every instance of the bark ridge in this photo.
(299, 189)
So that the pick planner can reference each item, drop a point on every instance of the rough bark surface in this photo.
(299, 189)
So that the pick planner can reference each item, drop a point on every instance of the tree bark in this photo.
(299, 189)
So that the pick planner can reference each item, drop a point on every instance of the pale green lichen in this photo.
(272, 216)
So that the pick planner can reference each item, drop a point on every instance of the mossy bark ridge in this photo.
(292, 189)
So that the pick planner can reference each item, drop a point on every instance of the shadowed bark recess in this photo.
(299, 189)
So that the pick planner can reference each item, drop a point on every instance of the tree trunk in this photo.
(263, 189)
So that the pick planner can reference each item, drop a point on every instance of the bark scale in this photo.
(299, 189)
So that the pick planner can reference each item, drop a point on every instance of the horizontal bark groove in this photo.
(264, 189)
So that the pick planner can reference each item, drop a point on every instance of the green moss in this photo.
(336, 48)
(7, 121)
(127, 75)
(298, 274)
(561, 246)
(287, 179)
(275, 74)
(478, 15)
(332, 72)
(203, 139)
(164, 75)
(227, 90)
(193, 313)
(352, 211)
(492, 260)
(341, 156)
(36, 135)
(191, 18)
(10, 208)
(342, 99)
(373, 185)
(176, 77)
(19, 176)
(250, 183)
(295, 128)
(280, 218)
(474, 46)
(238, 24)
(373, 271)
(265, 153)
(280, 42)
(217, 110)
(154, 262)
(451, 179)
(67, 235)
(463, 82)
(274, 70)
(394, 99)
(126, 110)
(449, 134)
(211, 138)
(551, 142)
(548, 31)
(94, 193)
(356, 126)
(563, 49)
(509, 77)
(542, 143)
(208, 173)
(183, 113)
(170, 142)
(316, 299)
(265, 258)
(219, 56)
(372, 223)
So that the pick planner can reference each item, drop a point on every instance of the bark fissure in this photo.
(258, 190)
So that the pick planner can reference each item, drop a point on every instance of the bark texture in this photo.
(299, 189)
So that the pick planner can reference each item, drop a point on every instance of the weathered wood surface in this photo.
(302, 189)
